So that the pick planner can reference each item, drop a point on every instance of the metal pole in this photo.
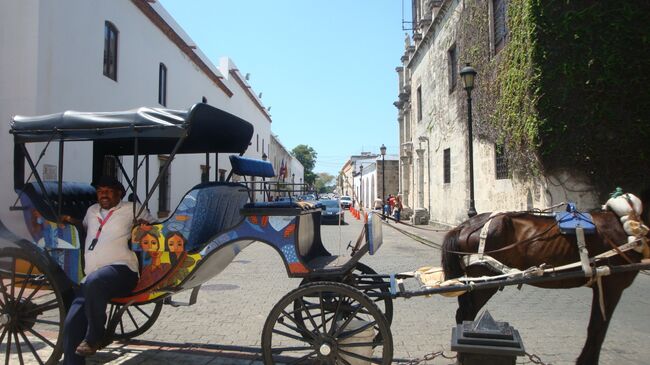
(135, 179)
(60, 182)
(361, 188)
(472, 210)
(383, 180)
(429, 176)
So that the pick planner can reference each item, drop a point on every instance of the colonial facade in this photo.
(110, 56)
(433, 111)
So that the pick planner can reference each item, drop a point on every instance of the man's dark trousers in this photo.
(87, 314)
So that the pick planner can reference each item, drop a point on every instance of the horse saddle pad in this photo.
(569, 221)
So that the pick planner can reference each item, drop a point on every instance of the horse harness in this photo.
(569, 222)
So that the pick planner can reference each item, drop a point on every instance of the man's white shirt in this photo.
(112, 246)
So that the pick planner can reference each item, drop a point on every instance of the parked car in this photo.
(332, 212)
(307, 197)
(346, 202)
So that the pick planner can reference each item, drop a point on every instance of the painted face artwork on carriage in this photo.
(175, 242)
(150, 244)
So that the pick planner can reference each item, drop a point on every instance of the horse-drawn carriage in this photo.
(341, 312)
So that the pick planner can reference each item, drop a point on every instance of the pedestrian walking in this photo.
(397, 211)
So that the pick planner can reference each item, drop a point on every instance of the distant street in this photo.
(224, 327)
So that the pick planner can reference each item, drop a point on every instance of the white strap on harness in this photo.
(582, 250)
(483, 238)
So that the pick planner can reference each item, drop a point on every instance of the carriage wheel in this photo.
(340, 325)
(369, 286)
(32, 310)
(136, 320)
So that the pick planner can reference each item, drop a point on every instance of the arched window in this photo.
(162, 84)
(110, 50)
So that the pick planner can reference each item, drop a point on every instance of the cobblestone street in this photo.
(224, 327)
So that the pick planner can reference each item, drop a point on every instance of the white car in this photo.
(346, 202)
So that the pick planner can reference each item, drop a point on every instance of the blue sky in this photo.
(326, 68)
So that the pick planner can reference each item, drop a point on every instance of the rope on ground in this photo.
(415, 237)
(420, 227)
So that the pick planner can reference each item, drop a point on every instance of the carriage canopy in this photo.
(207, 129)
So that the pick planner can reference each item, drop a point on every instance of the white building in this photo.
(284, 162)
(107, 56)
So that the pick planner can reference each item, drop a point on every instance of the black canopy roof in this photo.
(207, 128)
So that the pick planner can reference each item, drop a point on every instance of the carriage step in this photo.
(193, 296)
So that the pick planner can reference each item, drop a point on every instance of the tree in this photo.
(324, 183)
(307, 157)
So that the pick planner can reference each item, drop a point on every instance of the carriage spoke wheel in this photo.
(376, 288)
(333, 324)
(32, 310)
(136, 319)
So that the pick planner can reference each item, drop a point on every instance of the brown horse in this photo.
(539, 241)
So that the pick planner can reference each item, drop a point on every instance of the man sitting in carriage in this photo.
(111, 268)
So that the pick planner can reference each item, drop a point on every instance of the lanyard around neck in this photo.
(102, 222)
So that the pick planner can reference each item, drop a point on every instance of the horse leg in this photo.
(469, 304)
(613, 287)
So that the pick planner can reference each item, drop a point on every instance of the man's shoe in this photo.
(86, 349)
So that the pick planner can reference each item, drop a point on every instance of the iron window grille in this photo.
(419, 96)
(162, 84)
(110, 50)
(500, 28)
(501, 162)
(447, 165)
(452, 55)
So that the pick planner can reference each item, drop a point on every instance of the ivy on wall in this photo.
(593, 59)
(570, 89)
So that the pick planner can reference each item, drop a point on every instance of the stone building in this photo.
(537, 139)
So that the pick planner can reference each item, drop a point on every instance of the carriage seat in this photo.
(250, 167)
(216, 209)
(77, 198)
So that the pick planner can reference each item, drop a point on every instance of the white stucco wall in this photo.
(52, 62)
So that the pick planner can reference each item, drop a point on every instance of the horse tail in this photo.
(451, 260)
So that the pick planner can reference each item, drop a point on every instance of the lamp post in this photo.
(361, 188)
(468, 74)
(426, 139)
(265, 191)
(382, 149)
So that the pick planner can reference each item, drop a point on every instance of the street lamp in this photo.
(468, 74)
(426, 139)
(382, 149)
